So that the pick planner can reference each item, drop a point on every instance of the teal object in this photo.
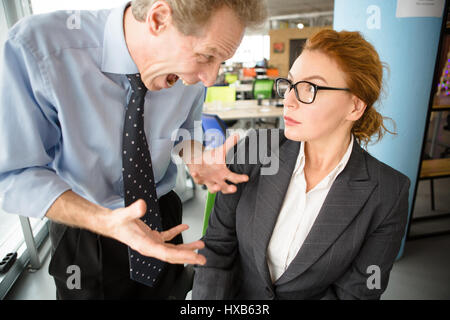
(409, 46)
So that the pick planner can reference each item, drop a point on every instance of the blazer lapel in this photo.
(270, 195)
(347, 196)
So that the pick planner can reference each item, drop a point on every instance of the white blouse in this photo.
(298, 213)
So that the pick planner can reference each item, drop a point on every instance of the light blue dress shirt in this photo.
(63, 97)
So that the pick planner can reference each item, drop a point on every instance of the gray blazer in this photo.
(360, 225)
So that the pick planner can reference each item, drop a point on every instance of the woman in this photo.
(329, 223)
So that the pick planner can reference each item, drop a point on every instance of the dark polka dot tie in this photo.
(138, 179)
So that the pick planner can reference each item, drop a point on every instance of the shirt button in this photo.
(119, 185)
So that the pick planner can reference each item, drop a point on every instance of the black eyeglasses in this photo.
(305, 91)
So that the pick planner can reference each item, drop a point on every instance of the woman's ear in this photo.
(159, 17)
(358, 108)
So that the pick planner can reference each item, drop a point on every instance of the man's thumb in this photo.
(137, 209)
(231, 142)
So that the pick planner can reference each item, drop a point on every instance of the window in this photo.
(43, 6)
(17, 234)
(10, 238)
(3, 31)
(253, 48)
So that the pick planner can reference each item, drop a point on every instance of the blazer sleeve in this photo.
(216, 280)
(368, 275)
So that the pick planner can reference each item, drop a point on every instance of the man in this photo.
(86, 120)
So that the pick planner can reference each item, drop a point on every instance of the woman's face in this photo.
(329, 113)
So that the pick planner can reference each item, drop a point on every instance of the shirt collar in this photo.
(334, 173)
(345, 158)
(116, 57)
(301, 159)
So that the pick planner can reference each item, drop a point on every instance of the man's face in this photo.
(192, 58)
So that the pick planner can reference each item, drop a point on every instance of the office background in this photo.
(421, 271)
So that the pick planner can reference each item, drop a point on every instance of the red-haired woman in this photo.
(329, 223)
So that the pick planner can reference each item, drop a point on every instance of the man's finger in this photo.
(196, 245)
(227, 188)
(213, 188)
(223, 187)
(236, 178)
(231, 142)
(199, 181)
(178, 255)
(172, 233)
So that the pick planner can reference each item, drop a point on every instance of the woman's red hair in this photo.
(361, 64)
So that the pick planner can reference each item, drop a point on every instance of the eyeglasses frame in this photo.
(316, 88)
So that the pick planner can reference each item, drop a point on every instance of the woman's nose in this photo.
(290, 100)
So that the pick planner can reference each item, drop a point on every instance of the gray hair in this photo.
(190, 15)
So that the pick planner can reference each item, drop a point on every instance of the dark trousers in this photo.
(103, 262)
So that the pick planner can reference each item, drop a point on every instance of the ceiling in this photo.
(287, 7)
(290, 8)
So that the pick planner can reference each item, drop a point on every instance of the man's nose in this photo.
(209, 75)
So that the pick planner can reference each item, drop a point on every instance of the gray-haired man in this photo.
(65, 100)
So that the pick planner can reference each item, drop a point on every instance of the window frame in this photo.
(27, 252)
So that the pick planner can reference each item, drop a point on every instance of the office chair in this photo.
(217, 130)
(221, 93)
(231, 78)
(214, 130)
(263, 88)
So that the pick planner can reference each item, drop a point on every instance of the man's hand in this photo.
(126, 226)
(209, 168)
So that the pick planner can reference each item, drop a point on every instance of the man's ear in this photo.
(358, 108)
(159, 17)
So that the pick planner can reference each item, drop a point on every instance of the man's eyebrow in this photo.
(212, 51)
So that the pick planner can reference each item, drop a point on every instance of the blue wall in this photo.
(409, 46)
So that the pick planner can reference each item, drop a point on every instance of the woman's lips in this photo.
(290, 122)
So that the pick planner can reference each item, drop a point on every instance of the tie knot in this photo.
(136, 82)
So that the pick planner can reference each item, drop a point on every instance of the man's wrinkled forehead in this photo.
(222, 42)
(223, 47)
(213, 51)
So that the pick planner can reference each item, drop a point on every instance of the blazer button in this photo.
(269, 292)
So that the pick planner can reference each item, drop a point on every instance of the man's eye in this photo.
(205, 58)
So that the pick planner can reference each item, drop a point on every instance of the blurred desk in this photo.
(431, 169)
(244, 109)
(246, 87)
(441, 108)
(243, 90)
(435, 168)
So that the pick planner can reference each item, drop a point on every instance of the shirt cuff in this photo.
(31, 192)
